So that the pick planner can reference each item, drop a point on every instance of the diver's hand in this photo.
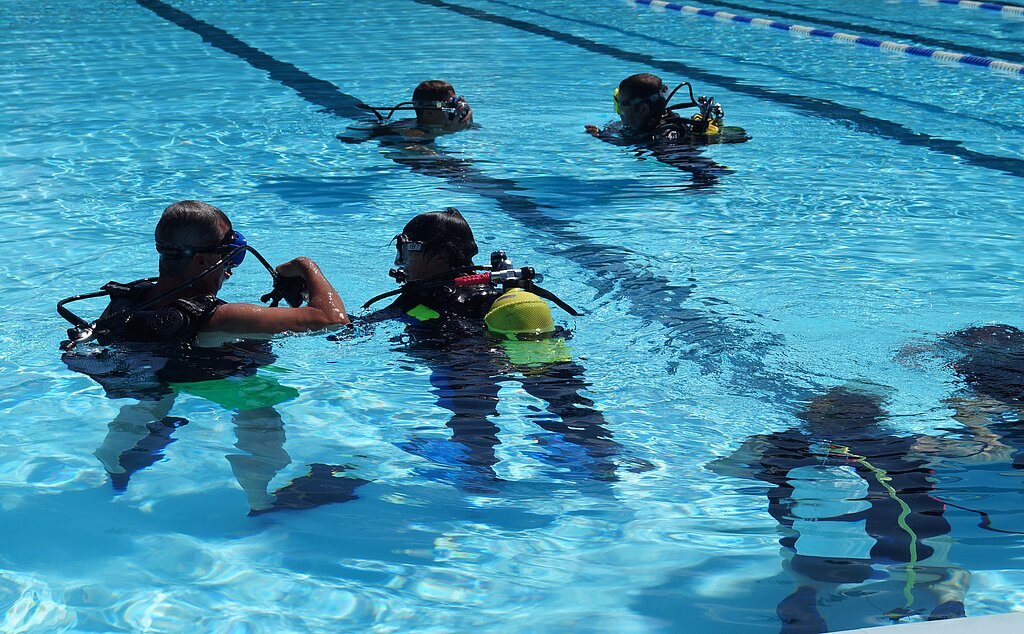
(460, 123)
(300, 277)
(290, 283)
(592, 130)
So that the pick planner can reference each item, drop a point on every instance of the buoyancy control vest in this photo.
(179, 321)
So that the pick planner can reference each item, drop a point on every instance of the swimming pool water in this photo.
(875, 209)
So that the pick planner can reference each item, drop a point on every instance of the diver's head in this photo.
(435, 242)
(192, 236)
(437, 105)
(843, 410)
(640, 101)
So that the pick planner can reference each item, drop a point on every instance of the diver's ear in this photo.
(436, 259)
(205, 260)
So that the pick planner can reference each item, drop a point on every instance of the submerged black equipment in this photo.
(498, 272)
(290, 289)
(454, 107)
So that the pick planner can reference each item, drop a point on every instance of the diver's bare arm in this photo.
(982, 446)
(325, 308)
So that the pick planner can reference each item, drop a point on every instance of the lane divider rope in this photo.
(909, 49)
(1007, 9)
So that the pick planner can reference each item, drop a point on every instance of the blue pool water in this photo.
(875, 209)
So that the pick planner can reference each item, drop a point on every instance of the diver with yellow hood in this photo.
(650, 123)
(479, 326)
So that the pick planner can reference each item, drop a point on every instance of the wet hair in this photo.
(444, 231)
(432, 90)
(843, 411)
(189, 223)
(640, 86)
(992, 361)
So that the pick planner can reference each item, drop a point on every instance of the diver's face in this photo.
(418, 262)
(639, 116)
(433, 117)
(213, 282)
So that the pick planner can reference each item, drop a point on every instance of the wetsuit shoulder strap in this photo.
(198, 309)
(131, 291)
(181, 321)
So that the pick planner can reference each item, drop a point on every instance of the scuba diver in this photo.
(651, 124)
(477, 329)
(162, 336)
(855, 505)
(438, 111)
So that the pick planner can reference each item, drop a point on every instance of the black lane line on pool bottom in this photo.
(823, 108)
(653, 297)
(316, 91)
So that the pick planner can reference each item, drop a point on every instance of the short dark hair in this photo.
(446, 231)
(189, 223)
(844, 409)
(432, 90)
(640, 86)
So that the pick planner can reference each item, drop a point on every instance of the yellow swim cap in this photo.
(519, 312)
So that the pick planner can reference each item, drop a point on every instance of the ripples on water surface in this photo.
(872, 211)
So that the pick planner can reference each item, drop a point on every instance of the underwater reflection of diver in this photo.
(477, 330)
(854, 505)
(992, 367)
(989, 362)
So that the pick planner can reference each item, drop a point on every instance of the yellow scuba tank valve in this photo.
(713, 126)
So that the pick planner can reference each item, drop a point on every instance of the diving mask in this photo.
(661, 96)
(454, 107)
(405, 248)
(232, 243)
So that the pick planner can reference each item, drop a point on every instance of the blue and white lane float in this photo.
(909, 49)
(1005, 9)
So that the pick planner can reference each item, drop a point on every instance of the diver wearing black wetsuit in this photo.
(148, 352)
(445, 329)
(652, 126)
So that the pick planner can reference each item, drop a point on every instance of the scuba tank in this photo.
(522, 319)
